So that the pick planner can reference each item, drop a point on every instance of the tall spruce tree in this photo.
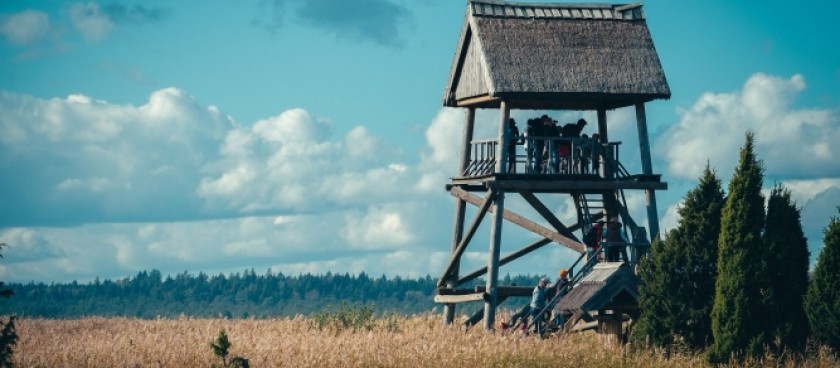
(654, 326)
(822, 303)
(678, 278)
(737, 313)
(696, 240)
(786, 263)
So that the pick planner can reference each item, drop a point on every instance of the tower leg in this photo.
(460, 207)
(498, 218)
(493, 263)
(449, 309)
(647, 169)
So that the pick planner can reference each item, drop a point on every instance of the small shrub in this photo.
(221, 347)
(355, 317)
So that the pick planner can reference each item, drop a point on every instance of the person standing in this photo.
(537, 305)
(553, 134)
(513, 140)
(561, 288)
(536, 142)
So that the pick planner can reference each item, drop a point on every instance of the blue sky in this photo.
(308, 136)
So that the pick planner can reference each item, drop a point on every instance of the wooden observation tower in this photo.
(528, 56)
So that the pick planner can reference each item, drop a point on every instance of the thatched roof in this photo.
(554, 56)
(608, 286)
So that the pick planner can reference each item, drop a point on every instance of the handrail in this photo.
(585, 269)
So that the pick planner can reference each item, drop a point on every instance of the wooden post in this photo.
(605, 154)
(603, 139)
(496, 227)
(460, 210)
(647, 169)
(609, 329)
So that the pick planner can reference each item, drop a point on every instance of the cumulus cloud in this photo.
(377, 21)
(174, 184)
(26, 27)
(91, 21)
(794, 142)
(78, 159)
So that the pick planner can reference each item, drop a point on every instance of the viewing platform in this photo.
(584, 165)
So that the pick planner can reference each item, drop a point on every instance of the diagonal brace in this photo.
(489, 198)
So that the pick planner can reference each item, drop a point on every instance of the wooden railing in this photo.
(547, 155)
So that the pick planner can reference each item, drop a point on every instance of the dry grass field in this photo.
(419, 341)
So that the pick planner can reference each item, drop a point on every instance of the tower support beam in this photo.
(647, 169)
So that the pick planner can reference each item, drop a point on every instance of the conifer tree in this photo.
(737, 312)
(678, 278)
(696, 240)
(653, 327)
(8, 333)
(786, 263)
(822, 303)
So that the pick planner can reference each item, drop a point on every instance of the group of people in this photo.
(549, 146)
(610, 232)
(601, 232)
(541, 296)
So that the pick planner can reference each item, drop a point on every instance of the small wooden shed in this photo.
(607, 294)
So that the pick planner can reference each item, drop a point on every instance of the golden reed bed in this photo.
(419, 341)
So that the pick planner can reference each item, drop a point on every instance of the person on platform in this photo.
(535, 133)
(513, 140)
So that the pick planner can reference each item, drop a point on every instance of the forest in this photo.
(150, 294)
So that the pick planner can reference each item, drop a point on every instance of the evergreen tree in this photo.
(822, 303)
(737, 313)
(678, 279)
(786, 265)
(653, 327)
(8, 334)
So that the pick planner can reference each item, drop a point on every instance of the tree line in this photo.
(732, 278)
(149, 294)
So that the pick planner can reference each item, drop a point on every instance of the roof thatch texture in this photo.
(608, 285)
(555, 56)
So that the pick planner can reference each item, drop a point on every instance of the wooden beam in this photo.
(508, 290)
(480, 100)
(548, 215)
(524, 222)
(562, 186)
(462, 298)
(479, 314)
(505, 260)
(459, 250)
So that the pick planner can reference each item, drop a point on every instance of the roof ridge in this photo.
(558, 5)
(504, 9)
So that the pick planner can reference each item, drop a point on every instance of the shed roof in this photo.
(608, 284)
(554, 56)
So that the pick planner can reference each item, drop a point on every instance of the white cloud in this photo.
(793, 142)
(107, 162)
(137, 185)
(91, 21)
(380, 227)
(25, 28)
